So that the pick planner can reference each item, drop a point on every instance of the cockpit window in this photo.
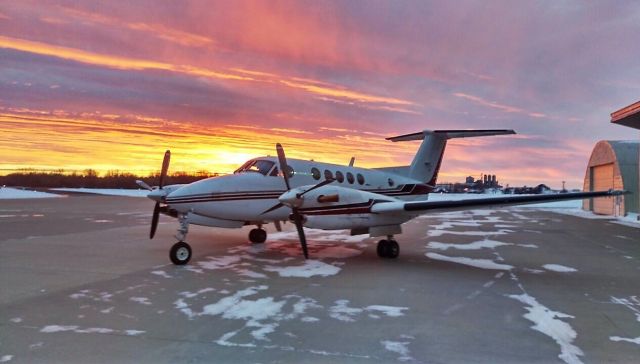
(261, 166)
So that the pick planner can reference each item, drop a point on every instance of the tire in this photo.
(257, 236)
(393, 249)
(382, 248)
(180, 253)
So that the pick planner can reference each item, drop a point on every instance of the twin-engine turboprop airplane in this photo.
(323, 196)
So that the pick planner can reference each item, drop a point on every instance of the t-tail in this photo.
(426, 163)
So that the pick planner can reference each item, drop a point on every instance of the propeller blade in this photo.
(142, 184)
(323, 183)
(154, 220)
(283, 165)
(165, 168)
(275, 207)
(297, 220)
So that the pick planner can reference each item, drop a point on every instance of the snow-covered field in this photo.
(8, 193)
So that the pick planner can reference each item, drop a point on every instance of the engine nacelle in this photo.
(334, 207)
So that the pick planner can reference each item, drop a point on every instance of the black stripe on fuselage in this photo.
(401, 190)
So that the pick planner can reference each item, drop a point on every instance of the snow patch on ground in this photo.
(188, 294)
(106, 191)
(140, 300)
(8, 193)
(632, 303)
(559, 268)
(90, 330)
(5, 358)
(477, 263)
(548, 322)
(618, 338)
(476, 245)
(223, 262)
(434, 233)
(341, 311)
(399, 347)
(161, 273)
(309, 269)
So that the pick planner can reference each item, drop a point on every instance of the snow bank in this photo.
(8, 193)
(106, 191)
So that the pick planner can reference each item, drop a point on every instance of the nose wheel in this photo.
(257, 236)
(180, 253)
(388, 248)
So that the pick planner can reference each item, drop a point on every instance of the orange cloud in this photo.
(125, 63)
(155, 30)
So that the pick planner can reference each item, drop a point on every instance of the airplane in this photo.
(374, 201)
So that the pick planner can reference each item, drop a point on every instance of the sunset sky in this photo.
(112, 84)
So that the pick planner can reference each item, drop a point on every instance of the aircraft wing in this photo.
(394, 207)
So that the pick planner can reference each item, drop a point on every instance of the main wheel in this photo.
(393, 249)
(383, 248)
(257, 236)
(180, 253)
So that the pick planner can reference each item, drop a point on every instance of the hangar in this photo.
(616, 165)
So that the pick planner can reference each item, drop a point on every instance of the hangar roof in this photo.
(627, 116)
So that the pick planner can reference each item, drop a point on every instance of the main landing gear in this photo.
(388, 248)
(180, 252)
(258, 235)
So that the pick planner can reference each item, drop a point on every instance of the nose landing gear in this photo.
(180, 252)
(388, 248)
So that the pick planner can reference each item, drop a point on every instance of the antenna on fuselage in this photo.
(353, 159)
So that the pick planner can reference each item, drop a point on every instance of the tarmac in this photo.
(80, 282)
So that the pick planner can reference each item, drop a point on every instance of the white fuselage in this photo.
(241, 198)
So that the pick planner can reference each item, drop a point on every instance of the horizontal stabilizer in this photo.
(450, 134)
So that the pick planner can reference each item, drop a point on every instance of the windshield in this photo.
(261, 166)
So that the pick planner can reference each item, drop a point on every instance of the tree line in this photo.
(90, 178)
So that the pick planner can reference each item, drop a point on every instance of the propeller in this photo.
(299, 195)
(156, 208)
(296, 217)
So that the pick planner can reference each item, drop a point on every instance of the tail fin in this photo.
(426, 163)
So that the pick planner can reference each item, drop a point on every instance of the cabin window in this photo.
(390, 181)
(245, 165)
(315, 172)
(350, 178)
(274, 172)
(339, 176)
(360, 178)
(260, 166)
(328, 174)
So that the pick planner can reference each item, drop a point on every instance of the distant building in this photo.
(616, 165)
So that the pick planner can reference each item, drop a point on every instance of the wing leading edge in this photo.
(487, 202)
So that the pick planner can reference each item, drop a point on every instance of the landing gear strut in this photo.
(257, 236)
(388, 248)
(180, 252)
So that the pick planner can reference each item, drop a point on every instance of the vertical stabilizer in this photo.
(427, 161)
